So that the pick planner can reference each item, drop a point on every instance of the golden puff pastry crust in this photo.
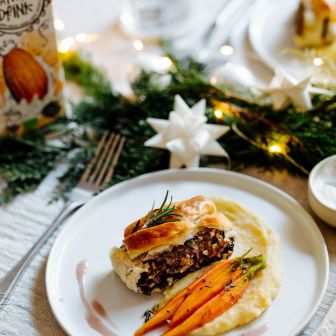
(189, 209)
(197, 212)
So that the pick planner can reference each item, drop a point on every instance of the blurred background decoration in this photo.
(125, 61)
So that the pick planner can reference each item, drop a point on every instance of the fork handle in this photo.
(10, 280)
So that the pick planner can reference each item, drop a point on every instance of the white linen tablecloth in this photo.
(21, 222)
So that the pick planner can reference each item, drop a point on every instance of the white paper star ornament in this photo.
(187, 135)
(284, 89)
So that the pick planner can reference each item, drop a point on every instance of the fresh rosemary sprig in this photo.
(159, 216)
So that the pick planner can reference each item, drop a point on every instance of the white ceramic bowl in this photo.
(326, 212)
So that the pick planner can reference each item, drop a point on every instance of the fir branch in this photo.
(79, 69)
(24, 164)
(310, 136)
(310, 141)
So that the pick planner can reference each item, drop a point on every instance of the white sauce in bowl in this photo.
(323, 183)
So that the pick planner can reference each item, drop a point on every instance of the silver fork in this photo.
(97, 174)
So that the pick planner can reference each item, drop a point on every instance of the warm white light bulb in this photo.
(214, 80)
(165, 62)
(227, 50)
(81, 37)
(318, 61)
(275, 149)
(138, 45)
(66, 44)
(58, 24)
(218, 114)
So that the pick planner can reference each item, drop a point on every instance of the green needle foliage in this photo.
(23, 164)
(306, 138)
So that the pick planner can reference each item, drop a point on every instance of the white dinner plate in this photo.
(271, 33)
(98, 226)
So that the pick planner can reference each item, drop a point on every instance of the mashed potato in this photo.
(251, 233)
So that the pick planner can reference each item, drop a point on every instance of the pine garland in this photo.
(305, 138)
(23, 164)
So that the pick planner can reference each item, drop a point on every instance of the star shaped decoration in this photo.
(187, 135)
(285, 89)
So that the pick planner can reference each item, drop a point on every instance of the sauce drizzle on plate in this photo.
(99, 308)
(91, 317)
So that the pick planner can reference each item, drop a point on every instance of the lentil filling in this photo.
(207, 246)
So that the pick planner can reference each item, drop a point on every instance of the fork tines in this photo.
(100, 169)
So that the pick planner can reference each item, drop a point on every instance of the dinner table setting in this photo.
(168, 167)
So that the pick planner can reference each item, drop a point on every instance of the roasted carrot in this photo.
(161, 317)
(212, 309)
(168, 310)
(222, 277)
(222, 301)
(203, 292)
(213, 283)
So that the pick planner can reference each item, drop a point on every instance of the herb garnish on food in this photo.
(136, 227)
(147, 315)
(159, 216)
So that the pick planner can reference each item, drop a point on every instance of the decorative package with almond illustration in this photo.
(30, 71)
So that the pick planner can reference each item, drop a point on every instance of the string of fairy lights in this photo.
(69, 43)
(273, 147)
(276, 145)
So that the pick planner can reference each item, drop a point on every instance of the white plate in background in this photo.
(271, 33)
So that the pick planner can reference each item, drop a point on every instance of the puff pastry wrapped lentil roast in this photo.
(153, 258)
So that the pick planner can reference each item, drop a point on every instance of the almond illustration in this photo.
(24, 75)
